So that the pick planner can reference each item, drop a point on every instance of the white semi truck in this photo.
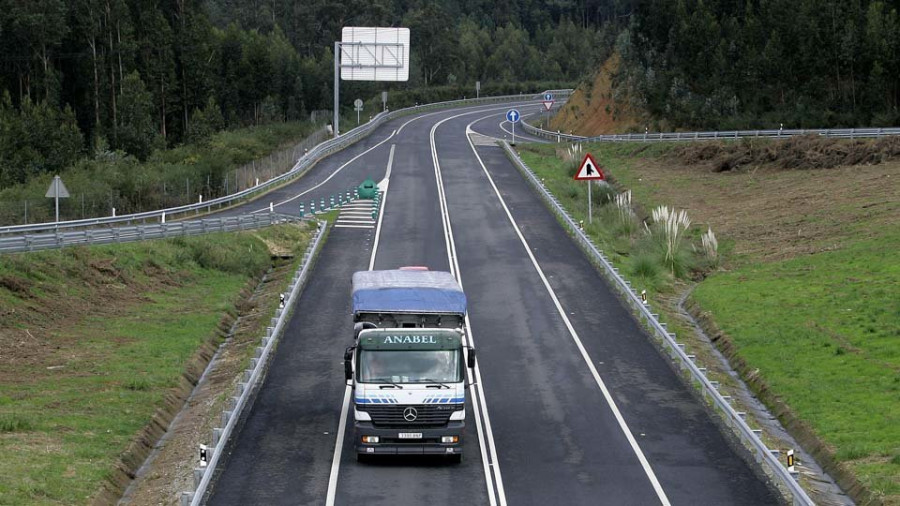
(407, 363)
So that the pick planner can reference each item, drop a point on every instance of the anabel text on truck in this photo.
(407, 363)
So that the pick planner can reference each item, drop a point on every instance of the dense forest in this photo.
(761, 63)
(82, 77)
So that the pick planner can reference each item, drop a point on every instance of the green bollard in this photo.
(332, 202)
(302, 211)
(322, 203)
(312, 207)
(374, 214)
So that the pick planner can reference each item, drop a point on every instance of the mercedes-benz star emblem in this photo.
(410, 414)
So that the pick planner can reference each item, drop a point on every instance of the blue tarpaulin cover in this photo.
(399, 291)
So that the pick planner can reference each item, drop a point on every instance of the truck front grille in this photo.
(391, 415)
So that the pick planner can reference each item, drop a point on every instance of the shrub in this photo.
(671, 226)
(646, 265)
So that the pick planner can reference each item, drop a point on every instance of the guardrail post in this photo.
(187, 498)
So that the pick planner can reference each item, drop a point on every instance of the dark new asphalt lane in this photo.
(282, 453)
(556, 437)
(694, 462)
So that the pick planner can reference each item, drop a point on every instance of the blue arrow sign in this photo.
(548, 96)
(513, 116)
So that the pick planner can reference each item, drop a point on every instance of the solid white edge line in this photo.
(336, 171)
(492, 464)
(477, 399)
(584, 354)
(342, 425)
(338, 448)
(381, 212)
(524, 136)
(345, 406)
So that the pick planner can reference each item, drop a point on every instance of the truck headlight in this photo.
(458, 415)
(449, 439)
(362, 416)
(370, 439)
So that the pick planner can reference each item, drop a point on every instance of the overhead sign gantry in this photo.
(369, 54)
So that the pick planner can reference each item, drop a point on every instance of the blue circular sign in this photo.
(513, 116)
(548, 96)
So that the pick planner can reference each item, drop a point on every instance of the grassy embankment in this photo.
(806, 293)
(226, 162)
(96, 340)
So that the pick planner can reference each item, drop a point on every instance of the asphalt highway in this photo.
(572, 403)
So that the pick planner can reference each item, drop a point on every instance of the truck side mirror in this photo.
(470, 363)
(348, 363)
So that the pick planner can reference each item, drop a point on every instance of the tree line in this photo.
(78, 77)
(763, 63)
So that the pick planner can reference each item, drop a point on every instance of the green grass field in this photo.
(824, 332)
(102, 363)
(823, 329)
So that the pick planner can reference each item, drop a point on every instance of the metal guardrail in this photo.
(306, 162)
(841, 133)
(62, 238)
(764, 456)
(252, 376)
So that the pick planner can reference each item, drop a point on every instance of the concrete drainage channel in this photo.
(252, 376)
(765, 457)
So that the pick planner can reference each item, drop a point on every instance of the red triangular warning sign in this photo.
(589, 169)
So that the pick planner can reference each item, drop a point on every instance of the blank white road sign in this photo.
(374, 54)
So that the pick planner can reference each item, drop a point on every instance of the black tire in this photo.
(363, 458)
(456, 458)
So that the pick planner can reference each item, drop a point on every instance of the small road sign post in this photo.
(358, 106)
(383, 101)
(548, 104)
(589, 171)
(477, 89)
(56, 191)
(513, 117)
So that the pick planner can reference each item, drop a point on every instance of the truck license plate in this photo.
(410, 435)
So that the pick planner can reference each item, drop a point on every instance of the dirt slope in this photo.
(595, 109)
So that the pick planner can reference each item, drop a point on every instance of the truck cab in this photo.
(407, 363)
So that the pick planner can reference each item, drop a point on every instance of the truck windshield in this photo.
(410, 366)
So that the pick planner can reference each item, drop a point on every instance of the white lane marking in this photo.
(482, 418)
(345, 406)
(584, 354)
(521, 133)
(355, 222)
(342, 426)
(338, 225)
(381, 214)
(338, 448)
(336, 171)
